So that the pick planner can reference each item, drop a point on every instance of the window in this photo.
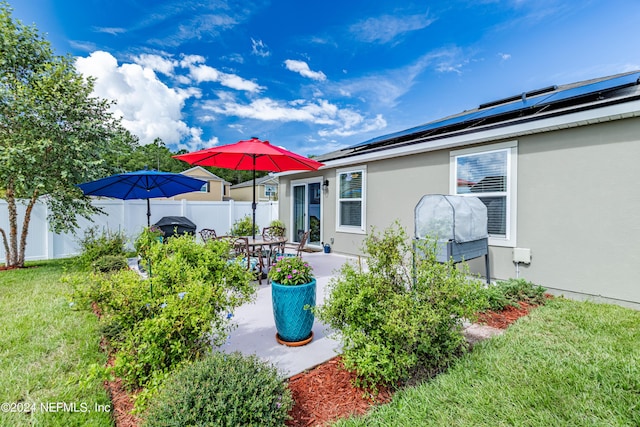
(205, 188)
(351, 200)
(270, 190)
(489, 174)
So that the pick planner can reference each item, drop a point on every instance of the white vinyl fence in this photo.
(129, 216)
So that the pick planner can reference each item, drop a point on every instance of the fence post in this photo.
(232, 213)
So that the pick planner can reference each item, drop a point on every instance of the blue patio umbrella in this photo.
(142, 184)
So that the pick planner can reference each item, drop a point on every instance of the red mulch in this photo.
(121, 400)
(324, 393)
(5, 268)
(507, 316)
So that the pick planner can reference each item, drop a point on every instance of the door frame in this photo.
(305, 182)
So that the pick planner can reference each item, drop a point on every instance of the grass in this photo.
(46, 349)
(568, 364)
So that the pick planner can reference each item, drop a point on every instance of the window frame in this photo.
(511, 149)
(362, 228)
(273, 193)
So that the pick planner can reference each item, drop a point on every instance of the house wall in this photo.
(578, 208)
(246, 194)
(213, 195)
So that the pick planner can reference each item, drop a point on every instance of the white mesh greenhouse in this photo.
(458, 224)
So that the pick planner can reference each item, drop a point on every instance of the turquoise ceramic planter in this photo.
(293, 322)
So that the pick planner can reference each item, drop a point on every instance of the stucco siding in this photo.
(578, 207)
(214, 193)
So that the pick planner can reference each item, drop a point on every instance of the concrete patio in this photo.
(255, 327)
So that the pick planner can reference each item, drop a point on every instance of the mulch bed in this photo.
(506, 317)
(5, 268)
(121, 400)
(322, 394)
(325, 393)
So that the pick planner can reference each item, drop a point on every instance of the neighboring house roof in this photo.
(268, 179)
(199, 171)
(530, 112)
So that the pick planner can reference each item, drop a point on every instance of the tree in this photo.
(53, 133)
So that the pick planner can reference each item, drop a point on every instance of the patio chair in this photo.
(273, 233)
(241, 252)
(295, 247)
(208, 234)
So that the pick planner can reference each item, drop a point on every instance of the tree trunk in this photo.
(25, 228)
(6, 246)
(12, 254)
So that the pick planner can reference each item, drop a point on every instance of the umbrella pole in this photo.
(148, 214)
(253, 205)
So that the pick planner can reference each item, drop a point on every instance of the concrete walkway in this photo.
(255, 327)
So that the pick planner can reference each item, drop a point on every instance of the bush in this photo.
(242, 227)
(149, 237)
(95, 245)
(278, 223)
(405, 310)
(110, 263)
(175, 316)
(222, 390)
(510, 292)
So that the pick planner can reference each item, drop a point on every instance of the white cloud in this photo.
(148, 108)
(337, 121)
(156, 63)
(383, 90)
(82, 45)
(504, 56)
(387, 27)
(259, 48)
(353, 123)
(303, 69)
(205, 73)
(189, 60)
(110, 30)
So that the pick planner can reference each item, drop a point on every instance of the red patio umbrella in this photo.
(253, 154)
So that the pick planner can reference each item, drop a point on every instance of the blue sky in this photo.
(316, 76)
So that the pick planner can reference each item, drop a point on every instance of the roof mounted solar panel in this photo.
(601, 86)
(532, 99)
(518, 97)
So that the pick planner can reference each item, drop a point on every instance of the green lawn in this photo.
(45, 348)
(568, 364)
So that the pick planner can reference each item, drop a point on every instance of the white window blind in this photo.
(351, 199)
(485, 175)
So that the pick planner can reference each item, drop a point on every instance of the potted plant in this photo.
(293, 294)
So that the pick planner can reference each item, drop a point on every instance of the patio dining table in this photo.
(259, 243)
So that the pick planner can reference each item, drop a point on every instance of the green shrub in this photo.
(174, 317)
(242, 227)
(95, 245)
(222, 390)
(109, 263)
(405, 310)
(149, 237)
(510, 292)
(278, 223)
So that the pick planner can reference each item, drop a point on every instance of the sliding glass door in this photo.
(307, 211)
